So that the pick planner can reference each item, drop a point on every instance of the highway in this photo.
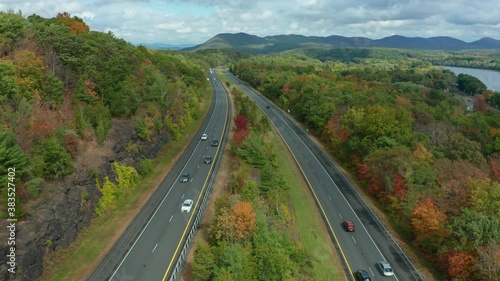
(150, 245)
(338, 201)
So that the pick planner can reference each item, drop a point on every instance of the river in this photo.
(490, 78)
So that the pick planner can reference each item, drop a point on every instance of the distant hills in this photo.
(254, 44)
(163, 46)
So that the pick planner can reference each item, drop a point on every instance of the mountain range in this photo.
(254, 44)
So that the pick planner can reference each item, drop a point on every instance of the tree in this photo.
(237, 260)
(57, 160)
(480, 103)
(7, 81)
(472, 229)
(203, 262)
(244, 219)
(11, 157)
(486, 196)
(223, 226)
(460, 265)
(428, 221)
(241, 129)
(470, 84)
(487, 263)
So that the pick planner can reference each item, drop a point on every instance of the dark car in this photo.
(207, 159)
(214, 143)
(349, 226)
(184, 177)
(362, 275)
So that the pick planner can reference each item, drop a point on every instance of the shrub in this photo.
(34, 187)
(57, 160)
(145, 166)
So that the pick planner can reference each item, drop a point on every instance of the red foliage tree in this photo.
(494, 166)
(460, 265)
(241, 129)
(400, 187)
(480, 103)
(44, 121)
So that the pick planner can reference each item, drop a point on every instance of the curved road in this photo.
(149, 247)
(338, 201)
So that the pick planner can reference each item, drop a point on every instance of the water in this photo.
(490, 78)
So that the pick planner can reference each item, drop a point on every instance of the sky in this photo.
(191, 22)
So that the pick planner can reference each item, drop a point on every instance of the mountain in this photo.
(270, 44)
(163, 46)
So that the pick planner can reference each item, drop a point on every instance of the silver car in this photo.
(385, 268)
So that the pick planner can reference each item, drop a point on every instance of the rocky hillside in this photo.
(73, 103)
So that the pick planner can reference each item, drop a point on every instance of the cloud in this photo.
(195, 21)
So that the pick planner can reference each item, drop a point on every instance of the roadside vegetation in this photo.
(398, 125)
(262, 228)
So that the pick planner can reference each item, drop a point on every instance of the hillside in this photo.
(270, 44)
(82, 114)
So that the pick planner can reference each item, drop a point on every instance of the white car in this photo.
(187, 206)
(385, 268)
(204, 137)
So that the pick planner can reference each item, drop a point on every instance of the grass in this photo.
(309, 223)
(79, 260)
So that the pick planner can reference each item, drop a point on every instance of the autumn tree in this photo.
(428, 221)
(240, 130)
(244, 219)
(460, 265)
(76, 24)
(480, 103)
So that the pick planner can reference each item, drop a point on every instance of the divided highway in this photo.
(338, 201)
(150, 246)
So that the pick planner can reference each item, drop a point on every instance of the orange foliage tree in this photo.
(244, 219)
(428, 221)
(76, 25)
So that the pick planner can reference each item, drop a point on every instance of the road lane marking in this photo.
(371, 271)
(191, 180)
(341, 216)
(329, 197)
(171, 218)
(154, 248)
(354, 240)
(198, 167)
(183, 196)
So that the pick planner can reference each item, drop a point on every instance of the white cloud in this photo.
(195, 21)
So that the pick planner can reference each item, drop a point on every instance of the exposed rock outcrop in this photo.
(67, 206)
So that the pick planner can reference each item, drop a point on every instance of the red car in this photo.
(349, 226)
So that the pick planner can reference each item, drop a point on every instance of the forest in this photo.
(62, 84)
(399, 125)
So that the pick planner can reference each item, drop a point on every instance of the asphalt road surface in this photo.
(150, 245)
(338, 201)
